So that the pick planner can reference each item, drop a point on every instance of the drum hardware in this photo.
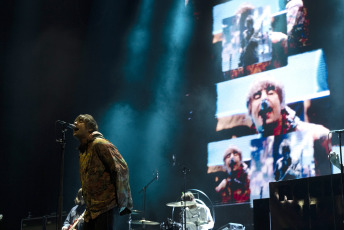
(184, 170)
(144, 189)
(170, 225)
(133, 212)
(143, 222)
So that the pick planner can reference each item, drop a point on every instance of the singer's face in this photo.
(234, 156)
(273, 114)
(81, 131)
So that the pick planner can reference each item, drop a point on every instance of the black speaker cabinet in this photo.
(40, 223)
(308, 204)
(261, 214)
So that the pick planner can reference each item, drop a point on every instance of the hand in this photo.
(199, 223)
(64, 228)
(334, 158)
(221, 186)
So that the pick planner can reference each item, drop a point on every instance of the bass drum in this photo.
(170, 225)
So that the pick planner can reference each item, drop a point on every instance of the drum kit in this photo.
(169, 224)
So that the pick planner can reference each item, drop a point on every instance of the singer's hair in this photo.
(89, 121)
(188, 196)
(230, 150)
(79, 198)
(263, 83)
(284, 146)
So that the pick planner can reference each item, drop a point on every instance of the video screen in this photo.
(272, 78)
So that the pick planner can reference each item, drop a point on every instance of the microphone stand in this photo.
(341, 172)
(184, 171)
(231, 183)
(62, 142)
(264, 124)
(264, 109)
(144, 194)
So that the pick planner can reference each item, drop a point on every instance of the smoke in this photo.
(118, 124)
(139, 42)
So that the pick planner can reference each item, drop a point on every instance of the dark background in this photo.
(149, 85)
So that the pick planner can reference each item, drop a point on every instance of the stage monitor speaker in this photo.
(40, 223)
(232, 226)
(234, 213)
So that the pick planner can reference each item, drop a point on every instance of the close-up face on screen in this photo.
(272, 77)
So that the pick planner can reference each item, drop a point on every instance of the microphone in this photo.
(264, 107)
(71, 126)
(232, 163)
(337, 131)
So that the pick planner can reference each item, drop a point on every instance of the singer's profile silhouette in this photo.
(104, 176)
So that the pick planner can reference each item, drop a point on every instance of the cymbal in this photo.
(145, 222)
(134, 212)
(180, 204)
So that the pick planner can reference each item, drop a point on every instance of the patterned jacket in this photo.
(104, 177)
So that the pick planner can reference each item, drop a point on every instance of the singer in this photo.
(104, 177)
(234, 184)
(272, 117)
